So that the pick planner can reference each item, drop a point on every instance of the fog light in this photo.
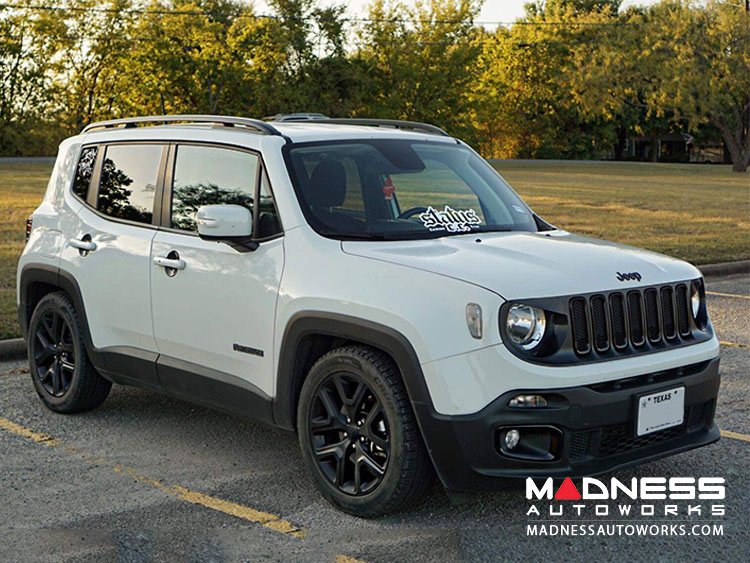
(527, 401)
(512, 437)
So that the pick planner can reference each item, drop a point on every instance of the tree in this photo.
(675, 61)
(422, 65)
(93, 39)
(704, 56)
(27, 46)
(524, 106)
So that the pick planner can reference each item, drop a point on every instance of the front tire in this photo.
(358, 434)
(63, 375)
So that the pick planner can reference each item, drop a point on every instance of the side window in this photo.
(210, 176)
(269, 223)
(128, 181)
(84, 170)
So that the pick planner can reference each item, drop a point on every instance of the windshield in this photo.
(397, 189)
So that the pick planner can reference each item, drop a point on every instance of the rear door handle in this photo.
(169, 263)
(85, 244)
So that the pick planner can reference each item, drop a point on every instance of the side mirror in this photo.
(232, 224)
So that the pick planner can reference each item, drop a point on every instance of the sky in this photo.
(493, 10)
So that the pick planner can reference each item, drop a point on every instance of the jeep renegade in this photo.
(373, 285)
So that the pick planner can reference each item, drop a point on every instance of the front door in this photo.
(214, 314)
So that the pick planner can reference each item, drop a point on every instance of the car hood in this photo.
(530, 265)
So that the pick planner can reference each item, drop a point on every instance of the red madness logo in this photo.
(644, 488)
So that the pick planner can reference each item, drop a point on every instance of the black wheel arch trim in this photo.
(308, 323)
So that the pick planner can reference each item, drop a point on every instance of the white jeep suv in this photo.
(374, 286)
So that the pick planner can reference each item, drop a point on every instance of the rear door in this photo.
(108, 251)
(214, 319)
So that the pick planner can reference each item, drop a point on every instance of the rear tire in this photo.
(63, 375)
(358, 434)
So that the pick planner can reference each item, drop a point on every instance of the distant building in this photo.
(669, 147)
(673, 147)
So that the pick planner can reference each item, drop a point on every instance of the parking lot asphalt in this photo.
(149, 478)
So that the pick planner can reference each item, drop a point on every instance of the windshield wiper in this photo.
(354, 236)
(441, 234)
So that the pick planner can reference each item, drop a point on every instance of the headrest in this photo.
(327, 187)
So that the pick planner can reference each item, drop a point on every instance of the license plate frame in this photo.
(660, 410)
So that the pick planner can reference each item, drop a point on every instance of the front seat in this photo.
(326, 191)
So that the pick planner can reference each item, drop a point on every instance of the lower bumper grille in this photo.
(619, 438)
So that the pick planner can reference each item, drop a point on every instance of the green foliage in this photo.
(572, 79)
(420, 67)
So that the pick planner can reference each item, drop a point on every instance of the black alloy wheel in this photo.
(358, 434)
(63, 375)
(349, 434)
(54, 353)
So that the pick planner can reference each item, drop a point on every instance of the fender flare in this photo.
(44, 273)
(379, 336)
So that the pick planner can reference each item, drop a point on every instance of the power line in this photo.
(242, 15)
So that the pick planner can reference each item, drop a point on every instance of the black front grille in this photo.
(619, 332)
(620, 438)
(599, 322)
(616, 439)
(635, 318)
(653, 330)
(580, 443)
(627, 322)
(667, 312)
(682, 309)
(580, 326)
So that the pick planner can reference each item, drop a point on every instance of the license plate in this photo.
(661, 410)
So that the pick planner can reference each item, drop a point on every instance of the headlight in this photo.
(525, 325)
(695, 299)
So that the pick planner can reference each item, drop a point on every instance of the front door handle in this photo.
(171, 263)
(84, 244)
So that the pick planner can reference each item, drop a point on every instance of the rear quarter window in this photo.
(84, 171)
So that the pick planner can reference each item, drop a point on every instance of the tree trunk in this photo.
(653, 150)
(622, 139)
(737, 141)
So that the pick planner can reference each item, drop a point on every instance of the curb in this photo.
(725, 268)
(14, 349)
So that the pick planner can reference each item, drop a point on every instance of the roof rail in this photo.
(396, 123)
(295, 117)
(260, 126)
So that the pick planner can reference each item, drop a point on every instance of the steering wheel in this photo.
(409, 213)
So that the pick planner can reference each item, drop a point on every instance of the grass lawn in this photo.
(698, 213)
(22, 186)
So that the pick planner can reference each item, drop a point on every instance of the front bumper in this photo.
(596, 424)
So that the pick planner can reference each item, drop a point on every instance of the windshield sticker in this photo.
(518, 209)
(388, 188)
(451, 220)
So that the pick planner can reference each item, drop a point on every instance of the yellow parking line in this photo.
(347, 559)
(728, 295)
(272, 521)
(19, 430)
(733, 344)
(735, 435)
